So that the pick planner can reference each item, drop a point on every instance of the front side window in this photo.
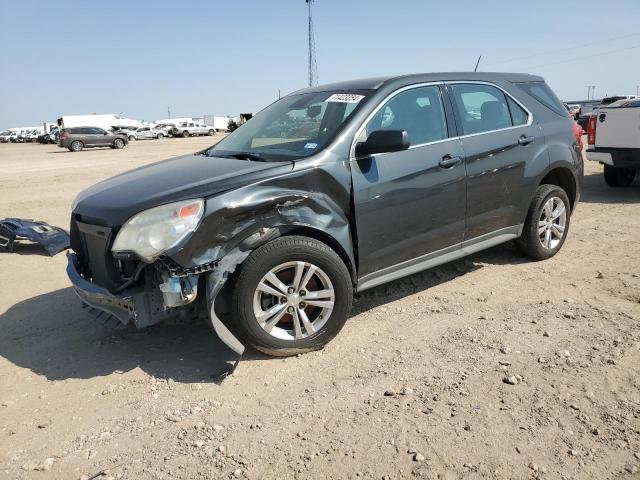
(481, 108)
(418, 111)
(294, 127)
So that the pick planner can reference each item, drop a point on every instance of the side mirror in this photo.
(383, 141)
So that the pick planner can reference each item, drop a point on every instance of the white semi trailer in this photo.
(107, 121)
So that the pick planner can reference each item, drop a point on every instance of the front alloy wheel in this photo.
(293, 300)
(291, 295)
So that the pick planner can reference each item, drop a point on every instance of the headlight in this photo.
(154, 231)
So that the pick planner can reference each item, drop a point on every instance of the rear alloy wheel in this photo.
(547, 223)
(76, 146)
(291, 296)
(619, 177)
(118, 143)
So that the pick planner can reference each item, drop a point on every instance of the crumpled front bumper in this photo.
(122, 307)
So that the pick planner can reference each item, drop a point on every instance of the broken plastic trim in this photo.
(52, 239)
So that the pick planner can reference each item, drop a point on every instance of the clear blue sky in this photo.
(226, 57)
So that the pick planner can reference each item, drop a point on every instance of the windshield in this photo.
(293, 127)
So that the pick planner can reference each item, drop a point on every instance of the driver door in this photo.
(409, 203)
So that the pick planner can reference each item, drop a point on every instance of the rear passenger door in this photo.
(499, 140)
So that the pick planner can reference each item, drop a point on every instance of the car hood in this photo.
(113, 201)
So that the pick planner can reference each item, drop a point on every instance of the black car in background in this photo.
(78, 138)
(327, 192)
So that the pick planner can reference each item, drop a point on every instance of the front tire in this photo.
(159, 136)
(118, 143)
(619, 177)
(290, 296)
(547, 224)
(212, 133)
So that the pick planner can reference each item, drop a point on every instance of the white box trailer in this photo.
(106, 121)
(219, 122)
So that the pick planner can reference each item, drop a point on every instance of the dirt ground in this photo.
(412, 387)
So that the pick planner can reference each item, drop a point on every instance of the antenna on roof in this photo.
(477, 63)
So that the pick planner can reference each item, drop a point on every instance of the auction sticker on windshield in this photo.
(345, 98)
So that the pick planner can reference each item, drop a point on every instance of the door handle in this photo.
(448, 161)
(525, 140)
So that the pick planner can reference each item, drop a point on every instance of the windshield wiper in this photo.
(247, 156)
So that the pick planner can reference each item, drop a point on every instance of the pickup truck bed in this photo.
(613, 137)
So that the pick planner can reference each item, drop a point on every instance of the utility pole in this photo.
(588, 92)
(593, 92)
(637, 90)
(168, 112)
(313, 66)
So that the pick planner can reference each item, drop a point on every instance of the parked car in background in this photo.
(191, 129)
(148, 132)
(78, 138)
(4, 136)
(32, 135)
(614, 141)
(573, 109)
(270, 234)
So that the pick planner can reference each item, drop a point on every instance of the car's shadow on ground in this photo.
(595, 190)
(505, 254)
(52, 335)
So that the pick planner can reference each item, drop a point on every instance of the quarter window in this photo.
(419, 111)
(518, 114)
(481, 108)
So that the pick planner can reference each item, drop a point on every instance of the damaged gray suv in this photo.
(325, 193)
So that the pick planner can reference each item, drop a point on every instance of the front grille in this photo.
(92, 243)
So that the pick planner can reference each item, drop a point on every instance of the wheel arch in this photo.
(564, 178)
(327, 239)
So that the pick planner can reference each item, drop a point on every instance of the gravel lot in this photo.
(414, 386)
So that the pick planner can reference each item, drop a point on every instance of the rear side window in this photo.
(481, 108)
(541, 92)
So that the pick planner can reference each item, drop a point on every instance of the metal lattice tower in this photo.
(313, 65)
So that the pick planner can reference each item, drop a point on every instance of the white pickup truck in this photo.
(190, 129)
(613, 138)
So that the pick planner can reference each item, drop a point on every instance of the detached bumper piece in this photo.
(52, 239)
(139, 308)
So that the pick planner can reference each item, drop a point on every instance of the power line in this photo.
(586, 57)
(550, 52)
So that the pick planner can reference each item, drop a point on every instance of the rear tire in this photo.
(212, 133)
(619, 177)
(76, 146)
(291, 335)
(185, 134)
(118, 143)
(547, 224)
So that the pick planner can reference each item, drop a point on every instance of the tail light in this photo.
(591, 130)
(577, 132)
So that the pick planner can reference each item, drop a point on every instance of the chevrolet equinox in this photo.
(328, 192)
